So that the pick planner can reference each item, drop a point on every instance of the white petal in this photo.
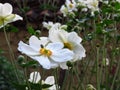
(26, 49)
(36, 43)
(56, 35)
(35, 77)
(62, 55)
(74, 38)
(52, 87)
(63, 65)
(44, 61)
(17, 17)
(55, 46)
(50, 80)
(54, 64)
(6, 9)
(79, 52)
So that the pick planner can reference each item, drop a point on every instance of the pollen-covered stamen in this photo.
(68, 45)
(71, 5)
(45, 52)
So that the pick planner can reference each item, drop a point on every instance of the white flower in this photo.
(70, 40)
(92, 5)
(51, 81)
(49, 55)
(6, 15)
(34, 77)
(50, 25)
(64, 10)
(69, 7)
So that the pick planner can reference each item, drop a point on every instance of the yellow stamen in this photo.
(71, 5)
(68, 45)
(45, 52)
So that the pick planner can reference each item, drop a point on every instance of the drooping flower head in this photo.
(6, 15)
(49, 55)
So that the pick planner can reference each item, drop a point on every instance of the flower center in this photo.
(68, 45)
(45, 52)
(71, 5)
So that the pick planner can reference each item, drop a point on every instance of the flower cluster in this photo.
(55, 50)
(73, 5)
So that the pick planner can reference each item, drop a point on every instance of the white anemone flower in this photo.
(35, 77)
(50, 25)
(71, 5)
(49, 55)
(64, 10)
(6, 15)
(92, 5)
(71, 41)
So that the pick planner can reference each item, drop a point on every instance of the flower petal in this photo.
(50, 80)
(56, 35)
(79, 52)
(36, 43)
(63, 65)
(26, 49)
(62, 55)
(17, 17)
(6, 9)
(74, 38)
(55, 46)
(44, 61)
(35, 77)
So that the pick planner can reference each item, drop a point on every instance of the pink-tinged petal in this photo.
(50, 80)
(6, 9)
(62, 55)
(74, 38)
(79, 52)
(26, 49)
(44, 61)
(55, 46)
(63, 65)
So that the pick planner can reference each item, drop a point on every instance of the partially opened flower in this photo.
(51, 81)
(34, 77)
(49, 55)
(6, 15)
(70, 40)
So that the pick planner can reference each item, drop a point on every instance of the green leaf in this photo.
(31, 30)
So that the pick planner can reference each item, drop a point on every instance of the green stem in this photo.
(11, 54)
(97, 69)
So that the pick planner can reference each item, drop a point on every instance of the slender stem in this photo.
(117, 71)
(11, 53)
(97, 69)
